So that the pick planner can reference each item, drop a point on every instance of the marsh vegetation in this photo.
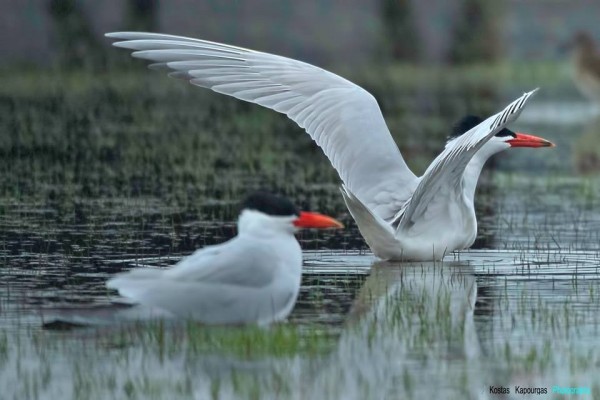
(103, 172)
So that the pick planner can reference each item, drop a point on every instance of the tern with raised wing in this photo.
(252, 278)
(401, 216)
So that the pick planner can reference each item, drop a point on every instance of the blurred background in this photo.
(49, 33)
(105, 166)
(101, 158)
(88, 134)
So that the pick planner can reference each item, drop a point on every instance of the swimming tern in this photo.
(252, 278)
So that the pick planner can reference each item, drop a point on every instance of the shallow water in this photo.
(486, 317)
(523, 311)
(521, 308)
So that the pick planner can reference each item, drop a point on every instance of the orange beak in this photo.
(524, 140)
(316, 220)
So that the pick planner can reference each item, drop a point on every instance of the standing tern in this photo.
(252, 278)
(401, 216)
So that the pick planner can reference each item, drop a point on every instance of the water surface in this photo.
(86, 194)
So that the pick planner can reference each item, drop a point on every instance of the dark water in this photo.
(91, 187)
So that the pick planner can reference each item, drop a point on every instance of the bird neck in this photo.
(471, 175)
(260, 224)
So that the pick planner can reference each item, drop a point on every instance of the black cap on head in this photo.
(506, 132)
(471, 121)
(464, 125)
(270, 204)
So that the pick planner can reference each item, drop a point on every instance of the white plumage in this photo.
(400, 215)
(252, 278)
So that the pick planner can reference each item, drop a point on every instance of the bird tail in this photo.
(377, 233)
(129, 284)
(66, 318)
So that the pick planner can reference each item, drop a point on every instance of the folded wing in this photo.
(228, 283)
(236, 263)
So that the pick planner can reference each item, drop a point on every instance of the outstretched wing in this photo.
(446, 171)
(341, 117)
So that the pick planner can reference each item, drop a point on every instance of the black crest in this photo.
(269, 204)
(506, 132)
(464, 125)
(471, 121)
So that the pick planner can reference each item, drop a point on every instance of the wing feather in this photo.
(446, 171)
(341, 117)
(238, 262)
